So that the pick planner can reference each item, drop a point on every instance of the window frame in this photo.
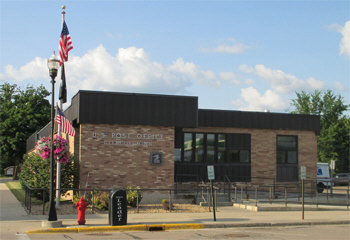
(288, 171)
(285, 150)
(226, 150)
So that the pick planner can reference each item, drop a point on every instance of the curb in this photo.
(180, 226)
(143, 227)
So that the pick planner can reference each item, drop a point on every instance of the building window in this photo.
(214, 148)
(199, 155)
(221, 148)
(210, 148)
(244, 156)
(188, 147)
(239, 156)
(287, 158)
(177, 155)
(287, 149)
(230, 153)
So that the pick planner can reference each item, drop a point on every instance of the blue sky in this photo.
(234, 55)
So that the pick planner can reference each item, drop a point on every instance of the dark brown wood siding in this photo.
(137, 109)
(259, 120)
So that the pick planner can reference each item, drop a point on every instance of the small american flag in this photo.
(66, 127)
(65, 44)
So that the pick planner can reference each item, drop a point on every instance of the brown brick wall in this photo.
(263, 150)
(117, 166)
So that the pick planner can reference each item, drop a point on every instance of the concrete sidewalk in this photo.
(225, 217)
(13, 218)
(10, 208)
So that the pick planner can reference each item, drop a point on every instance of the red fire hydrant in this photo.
(81, 206)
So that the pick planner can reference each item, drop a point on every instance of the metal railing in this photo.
(197, 181)
(292, 194)
(170, 192)
(245, 181)
(243, 193)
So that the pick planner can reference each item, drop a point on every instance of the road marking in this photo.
(22, 236)
(68, 237)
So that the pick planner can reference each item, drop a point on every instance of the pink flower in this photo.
(61, 152)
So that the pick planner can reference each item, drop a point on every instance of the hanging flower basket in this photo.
(61, 149)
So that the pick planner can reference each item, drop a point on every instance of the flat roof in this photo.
(100, 107)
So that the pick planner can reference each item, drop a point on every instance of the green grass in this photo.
(3, 176)
(19, 192)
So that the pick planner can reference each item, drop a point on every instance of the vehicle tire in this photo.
(320, 187)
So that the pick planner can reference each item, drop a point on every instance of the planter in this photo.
(165, 206)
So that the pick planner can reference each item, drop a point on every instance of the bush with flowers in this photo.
(61, 148)
(36, 173)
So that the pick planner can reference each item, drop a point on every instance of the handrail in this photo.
(229, 188)
(189, 175)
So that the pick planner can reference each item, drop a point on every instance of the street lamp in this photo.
(53, 64)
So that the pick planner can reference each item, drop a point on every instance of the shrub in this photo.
(35, 172)
(76, 198)
(87, 197)
(131, 195)
(101, 201)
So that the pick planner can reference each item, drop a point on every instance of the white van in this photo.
(323, 177)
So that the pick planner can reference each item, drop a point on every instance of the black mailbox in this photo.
(118, 207)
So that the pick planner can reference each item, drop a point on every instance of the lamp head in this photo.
(53, 64)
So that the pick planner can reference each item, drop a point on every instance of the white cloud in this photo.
(284, 82)
(249, 81)
(2, 77)
(36, 69)
(110, 35)
(233, 47)
(191, 71)
(237, 48)
(246, 68)
(237, 103)
(345, 41)
(257, 102)
(130, 70)
(235, 82)
(229, 76)
(338, 86)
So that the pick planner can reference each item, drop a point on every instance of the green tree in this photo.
(333, 141)
(35, 172)
(22, 112)
(334, 144)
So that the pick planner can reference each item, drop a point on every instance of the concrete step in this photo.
(219, 204)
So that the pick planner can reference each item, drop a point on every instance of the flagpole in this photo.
(58, 175)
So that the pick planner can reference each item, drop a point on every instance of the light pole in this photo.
(53, 64)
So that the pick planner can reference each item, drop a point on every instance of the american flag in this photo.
(65, 44)
(66, 127)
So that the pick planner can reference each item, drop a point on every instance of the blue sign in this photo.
(319, 171)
